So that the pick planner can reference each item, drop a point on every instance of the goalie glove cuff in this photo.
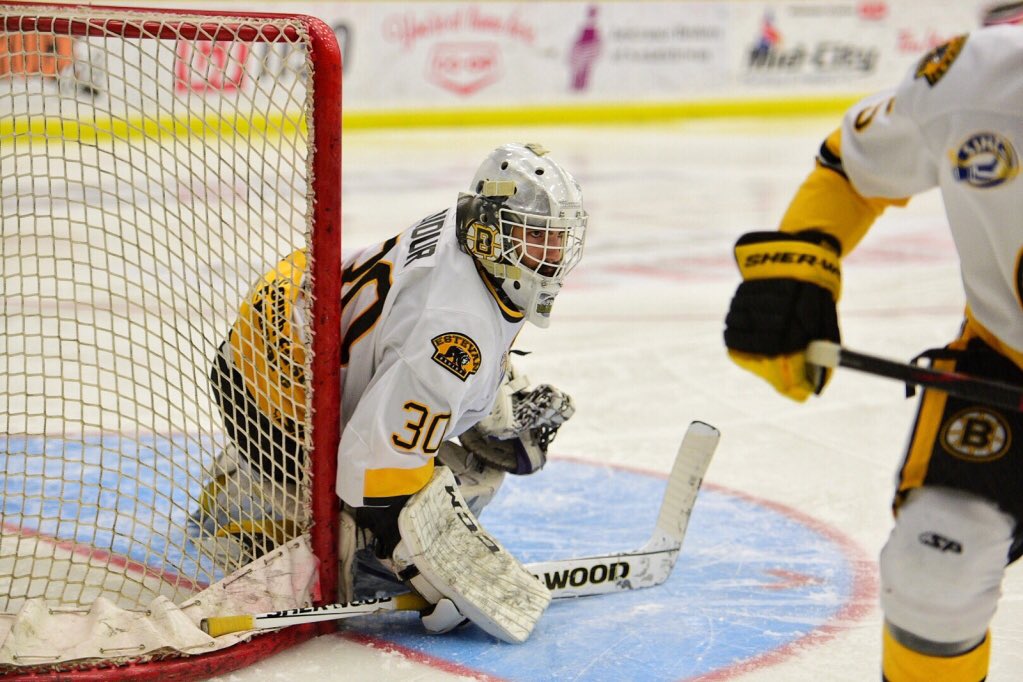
(531, 451)
(520, 456)
(501, 422)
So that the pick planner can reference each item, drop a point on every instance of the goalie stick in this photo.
(987, 391)
(648, 566)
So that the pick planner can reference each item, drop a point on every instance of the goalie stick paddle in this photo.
(986, 391)
(648, 566)
(651, 564)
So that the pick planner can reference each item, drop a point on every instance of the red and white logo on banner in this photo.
(872, 10)
(464, 68)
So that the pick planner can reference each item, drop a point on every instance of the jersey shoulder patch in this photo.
(457, 353)
(936, 63)
(985, 159)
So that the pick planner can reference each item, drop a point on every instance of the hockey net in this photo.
(155, 165)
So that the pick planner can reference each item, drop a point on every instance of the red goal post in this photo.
(155, 165)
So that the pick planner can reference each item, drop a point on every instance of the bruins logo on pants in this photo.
(457, 353)
(959, 444)
(976, 434)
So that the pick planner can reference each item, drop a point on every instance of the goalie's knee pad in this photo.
(477, 481)
(942, 567)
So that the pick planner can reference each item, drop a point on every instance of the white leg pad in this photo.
(459, 560)
(347, 547)
(942, 567)
(477, 481)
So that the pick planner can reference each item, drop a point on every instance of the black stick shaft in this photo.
(984, 391)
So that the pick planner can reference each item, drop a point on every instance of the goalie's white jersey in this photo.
(956, 122)
(425, 341)
(425, 344)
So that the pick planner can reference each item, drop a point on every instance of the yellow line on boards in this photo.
(598, 113)
(42, 129)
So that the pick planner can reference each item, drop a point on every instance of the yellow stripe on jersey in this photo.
(267, 350)
(828, 202)
(383, 483)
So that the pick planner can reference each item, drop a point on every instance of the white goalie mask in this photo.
(529, 226)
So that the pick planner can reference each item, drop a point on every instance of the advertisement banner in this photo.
(555, 60)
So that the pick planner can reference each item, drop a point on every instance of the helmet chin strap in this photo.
(502, 271)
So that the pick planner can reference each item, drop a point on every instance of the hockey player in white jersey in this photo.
(428, 323)
(955, 122)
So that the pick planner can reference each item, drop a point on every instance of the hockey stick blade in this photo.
(651, 564)
(215, 626)
(986, 391)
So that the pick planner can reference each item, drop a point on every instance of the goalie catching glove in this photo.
(791, 283)
(515, 436)
(447, 557)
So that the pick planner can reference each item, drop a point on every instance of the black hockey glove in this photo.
(791, 283)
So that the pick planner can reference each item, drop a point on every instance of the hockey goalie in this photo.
(429, 320)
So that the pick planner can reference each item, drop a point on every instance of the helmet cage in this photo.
(545, 245)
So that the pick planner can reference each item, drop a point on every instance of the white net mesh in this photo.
(146, 185)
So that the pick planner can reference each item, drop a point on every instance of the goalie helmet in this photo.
(524, 222)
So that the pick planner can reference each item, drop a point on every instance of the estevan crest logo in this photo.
(985, 160)
(457, 353)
